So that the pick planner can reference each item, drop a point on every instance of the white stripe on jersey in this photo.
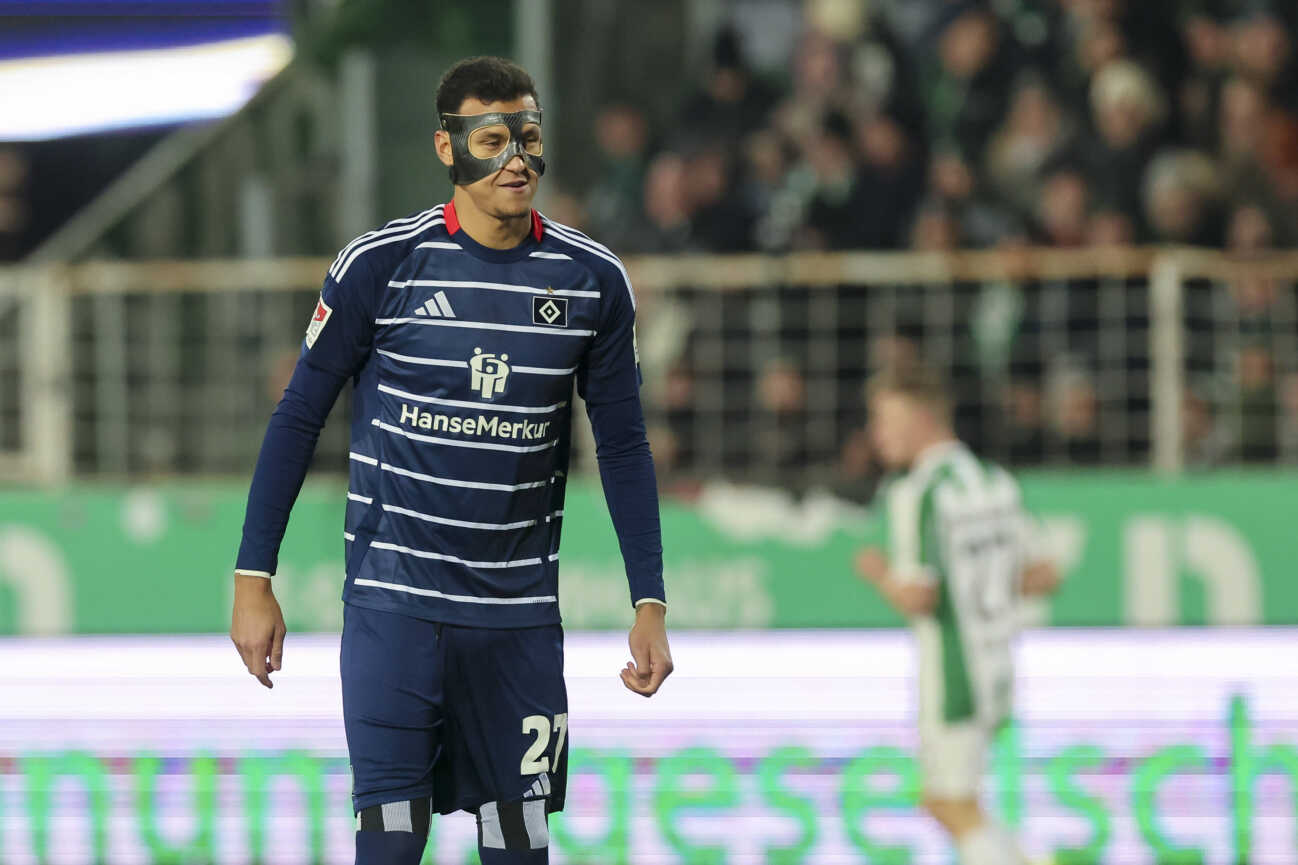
(543, 370)
(468, 485)
(394, 225)
(483, 406)
(557, 256)
(427, 361)
(491, 286)
(487, 325)
(486, 446)
(438, 244)
(365, 500)
(465, 524)
(443, 557)
(463, 599)
(362, 458)
(572, 237)
(451, 482)
(419, 228)
(464, 364)
(348, 536)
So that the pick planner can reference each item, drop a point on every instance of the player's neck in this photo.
(491, 231)
(929, 443)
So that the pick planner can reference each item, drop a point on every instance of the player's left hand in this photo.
(651, 656)
(872, 564)
(1039, 579)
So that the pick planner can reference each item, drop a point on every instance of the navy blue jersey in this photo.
(464, 360)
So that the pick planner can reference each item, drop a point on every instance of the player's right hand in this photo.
(914, 599)
(257, 627)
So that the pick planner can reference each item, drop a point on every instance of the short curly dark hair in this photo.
(491, 79)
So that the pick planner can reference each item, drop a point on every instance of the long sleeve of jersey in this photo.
(282, 464)
(626, 469)
(609, 381)
(338, 340)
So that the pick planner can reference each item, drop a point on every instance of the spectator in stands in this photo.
(677, 400)
(1035, 133)
(936, 228)
(1024, 438)
(1073, 413)
(1181, 198)
(1062, 213)
(780, 426)
(667, 206)
(842, 212)
(772, 190)
(1128, 111)
(719, 221)
(819, 86)
(1288, 390)
(616, 201)
(1208, 49)
(732, 102)
(1109, 226)
(562, 206)
(1205, 440)
(1093, 37)
(1262, 52)
(858, 472)
(891, 180)
(966, 81)
(1242, 122)
(1258, 404)
(666, 450)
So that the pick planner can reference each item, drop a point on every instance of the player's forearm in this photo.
(626, 470)
(282, 464)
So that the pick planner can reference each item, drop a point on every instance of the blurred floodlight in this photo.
(54, 96)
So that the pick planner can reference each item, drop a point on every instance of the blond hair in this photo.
(915, 382)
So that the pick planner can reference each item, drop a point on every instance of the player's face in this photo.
(509, 192)
(894, 423)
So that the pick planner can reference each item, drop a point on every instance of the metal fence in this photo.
(754, 365)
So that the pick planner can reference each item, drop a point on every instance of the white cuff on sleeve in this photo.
(651, 601)
(248, 573)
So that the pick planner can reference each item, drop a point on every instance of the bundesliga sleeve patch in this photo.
(318, 320)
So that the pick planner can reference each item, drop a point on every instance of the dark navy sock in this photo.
(495, 856)
(389, 848)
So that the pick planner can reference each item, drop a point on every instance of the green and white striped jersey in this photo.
(959, 522)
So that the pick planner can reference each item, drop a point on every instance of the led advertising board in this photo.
(780, 746)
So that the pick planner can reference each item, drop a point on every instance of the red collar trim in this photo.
(453, 221)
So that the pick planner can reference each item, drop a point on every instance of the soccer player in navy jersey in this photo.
(463, 329)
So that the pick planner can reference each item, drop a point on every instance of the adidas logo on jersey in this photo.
(436, 306)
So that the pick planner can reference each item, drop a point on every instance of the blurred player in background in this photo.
(464, 329)
(959, 557)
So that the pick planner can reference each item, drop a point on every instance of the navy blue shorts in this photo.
(465, 716)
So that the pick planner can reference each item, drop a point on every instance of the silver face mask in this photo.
(482, 144)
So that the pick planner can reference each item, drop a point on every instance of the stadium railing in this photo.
(754, 364)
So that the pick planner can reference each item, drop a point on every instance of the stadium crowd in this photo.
(974, 124)
(938, 125)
